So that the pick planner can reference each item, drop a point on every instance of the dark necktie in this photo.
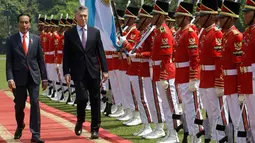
(83, 38)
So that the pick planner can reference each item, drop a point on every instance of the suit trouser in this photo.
(191, 107)
(212, 105)
(88, 88)
(141, 98)
(115, 87)
(235, 110)
(20, 94)
(169, 103)
(125, 87)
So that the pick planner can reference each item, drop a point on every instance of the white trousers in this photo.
(191, 107)
(115, 87)
(51, 72)
(235, 112)
(169, 103)
(126, 90)
(141, 98)
(212, 105)
(135, 92)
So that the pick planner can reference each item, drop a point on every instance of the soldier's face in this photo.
(203, 19)
(82, 17)
(179, 20)
(24, 24)
(223, 21)
(248, 17)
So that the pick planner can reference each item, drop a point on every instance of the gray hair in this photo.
(80, 8)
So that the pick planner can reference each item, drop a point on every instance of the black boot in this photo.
(106, 108)
(109, 110)
(185, 137)
(207, 140)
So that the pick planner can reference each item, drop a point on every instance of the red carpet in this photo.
(56, 126)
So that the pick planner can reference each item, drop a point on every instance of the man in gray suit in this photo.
(24, 70)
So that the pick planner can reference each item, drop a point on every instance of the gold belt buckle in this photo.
(225, 72)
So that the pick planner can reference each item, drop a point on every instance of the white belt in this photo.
(109, 56)
(144, 60)
(60, 52)
(246, 69)
(135, 60)
(253, 67)
(156, 63)
(50, 53)
(207, 67)
(182, 65)
(230, 72)
(115, 56)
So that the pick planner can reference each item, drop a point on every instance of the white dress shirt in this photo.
(80, 32)
(27, 38)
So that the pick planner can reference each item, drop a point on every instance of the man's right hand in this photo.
(11, 84)
(68, 79)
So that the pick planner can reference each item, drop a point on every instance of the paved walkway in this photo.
(56, 126)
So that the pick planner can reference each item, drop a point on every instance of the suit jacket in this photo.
(18, 64)
(77, 60)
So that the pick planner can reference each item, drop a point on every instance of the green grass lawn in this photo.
(109, 124)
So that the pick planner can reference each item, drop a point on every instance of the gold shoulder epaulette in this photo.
(235, 32)
(191, 29)
(162, 29)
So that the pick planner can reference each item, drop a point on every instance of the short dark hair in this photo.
(24, 14)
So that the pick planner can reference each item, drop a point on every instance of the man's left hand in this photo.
(44, 84)
(105, 76)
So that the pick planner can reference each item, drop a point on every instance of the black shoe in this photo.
(18, 132)
(207, 140)
(78, 128)
(109, 110)
(106, 108)
(94, 135)
(185, 137)
(37, 141)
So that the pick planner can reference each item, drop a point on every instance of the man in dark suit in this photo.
(24, 70)
(83, 56)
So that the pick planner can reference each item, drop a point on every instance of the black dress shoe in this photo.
(37, 141)
(18, 132)
(94, 135)
(78, 128)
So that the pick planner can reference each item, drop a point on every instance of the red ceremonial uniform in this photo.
(162, 52)
(144, 53)
(186, 55)
(46, 47)
(132, 38)
(245, 74)
(210, 49)
(53, 44)
(59, 49)
(231, 59)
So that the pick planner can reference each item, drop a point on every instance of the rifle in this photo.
(144, 37)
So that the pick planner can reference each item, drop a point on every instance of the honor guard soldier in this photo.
(47, 55)
(132, 35)
(163, 73)
(142, 54)
(231, 59)
(113, 63)
(53, 43)
(197, 16)
(40, 25)
(59, 58)
(130, 40)
(170, 21)
(186, 58)
(211, 81)
(247, 69)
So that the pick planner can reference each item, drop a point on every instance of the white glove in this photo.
(192, 85)
(122, 39)
(241, 98)
(164, 84)
(132, 55)
(219, 91)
